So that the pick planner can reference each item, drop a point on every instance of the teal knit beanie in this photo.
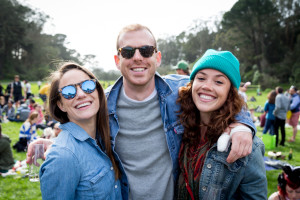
(223, 61)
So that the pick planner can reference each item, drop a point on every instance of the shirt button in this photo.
(204, 188)
(111, 168)
(208, 166)
(116, 186)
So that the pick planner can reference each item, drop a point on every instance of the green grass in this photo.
(273, 174)
(17, 187)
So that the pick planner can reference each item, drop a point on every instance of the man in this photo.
(243, 89)
(16, 90)
(27, 86)
(295, 108)
(145, 131)
(282, 104)
(182, 68)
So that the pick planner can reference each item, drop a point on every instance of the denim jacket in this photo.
(76, 168)
(243, 179)
(167, 90)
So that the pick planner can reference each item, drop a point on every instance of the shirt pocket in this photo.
(103, 184)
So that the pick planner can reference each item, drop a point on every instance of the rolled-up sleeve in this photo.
(244, 117)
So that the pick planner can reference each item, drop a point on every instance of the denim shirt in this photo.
(243, 179)
(76, 168)
(295, 103)
(167, 90)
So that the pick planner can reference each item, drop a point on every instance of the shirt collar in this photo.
(75, 130)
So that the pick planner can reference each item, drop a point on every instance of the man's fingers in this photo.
(241, 146)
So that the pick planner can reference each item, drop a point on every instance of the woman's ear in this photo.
(61, 106)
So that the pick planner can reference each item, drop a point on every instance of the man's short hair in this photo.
(279, 89)
(134, 27)
(294, 87)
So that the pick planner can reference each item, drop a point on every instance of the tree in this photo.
(254, 22)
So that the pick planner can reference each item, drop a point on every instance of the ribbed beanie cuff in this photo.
(223, 61)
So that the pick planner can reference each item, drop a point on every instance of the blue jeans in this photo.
(269, 126)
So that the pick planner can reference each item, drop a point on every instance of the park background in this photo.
(19, 187)
(263, 34)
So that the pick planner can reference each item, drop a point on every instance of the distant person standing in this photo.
(282, 104)
(39, 84)
(182, 68)
(7, 92)
(44, 93)
(16, 91)
(27, 89)
(243, 89)
(269, 108)
(295, 108)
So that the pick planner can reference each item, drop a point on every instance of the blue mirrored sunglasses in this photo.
(70, 91)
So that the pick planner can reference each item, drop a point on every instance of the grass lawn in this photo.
(18, 187)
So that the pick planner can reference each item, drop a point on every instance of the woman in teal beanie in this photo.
(209, 103)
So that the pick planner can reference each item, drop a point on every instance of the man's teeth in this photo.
(84, 104)
(206, 97)
(138, 69)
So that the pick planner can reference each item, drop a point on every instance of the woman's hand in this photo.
(30, 151)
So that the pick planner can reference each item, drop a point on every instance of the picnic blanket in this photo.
(272, 164)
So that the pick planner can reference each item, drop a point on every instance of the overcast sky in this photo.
(92, 26)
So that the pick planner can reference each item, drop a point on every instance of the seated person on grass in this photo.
(288, 184)
(27, 132)
(6, 156)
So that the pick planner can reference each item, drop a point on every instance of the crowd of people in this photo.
(279, 109)
(17, 104)
(148, 136)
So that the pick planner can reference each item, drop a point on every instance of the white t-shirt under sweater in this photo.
(142, 147)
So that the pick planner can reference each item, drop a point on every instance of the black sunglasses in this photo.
(146, 51)
(70, 91)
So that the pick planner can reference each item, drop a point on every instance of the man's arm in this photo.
(242, 140)
(277, 106)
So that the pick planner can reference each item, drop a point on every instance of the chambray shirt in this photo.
(76, 168)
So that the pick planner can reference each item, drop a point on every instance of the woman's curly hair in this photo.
(219, 120)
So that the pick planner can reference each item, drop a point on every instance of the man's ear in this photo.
(117, 61)
(61, 106)
(158, 59)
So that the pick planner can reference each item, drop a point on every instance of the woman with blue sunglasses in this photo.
(80, 164)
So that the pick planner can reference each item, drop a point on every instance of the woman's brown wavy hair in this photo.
(271, 96)
(102, 114)
(219, 120)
